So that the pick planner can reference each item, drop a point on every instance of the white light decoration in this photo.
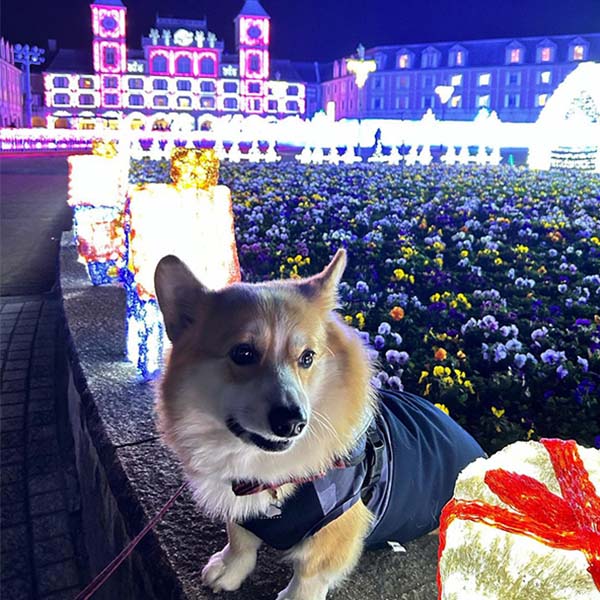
(195, 225)
(97, 192)
(524, 523)
(569, 124)
(361, 70)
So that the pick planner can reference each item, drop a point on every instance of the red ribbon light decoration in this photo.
(570, 522)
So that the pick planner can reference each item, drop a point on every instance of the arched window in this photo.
(159, 64)
(207, 66)
(183, 65)
(254, 63)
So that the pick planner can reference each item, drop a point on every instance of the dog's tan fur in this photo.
(202, 386)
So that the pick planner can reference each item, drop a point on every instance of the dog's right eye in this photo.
(244, 354)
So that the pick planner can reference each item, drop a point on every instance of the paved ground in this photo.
(42, 554)
(33, 211)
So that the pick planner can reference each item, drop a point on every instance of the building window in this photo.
(272, 105)
(545, 54)
(513, 78)
(428, 82)
(541, 99)
(403, 82)
(61, 82)
(254, 64)
(578, 52)
(161, 101)
(86, 99)
(483, 79)
(86, 83)
(61, 99)
(184, 102)
(292, 105)
(292, 90)
(183, 85)
(254, 87)
(515, 56)
(110, 56)
(136, 84)
(483, 101)
(136, 100)
(401, 102)
(183, 65)
(111, 83)
(377, 103)
(207, 66)
(456, 101)
(111, 99)
(512, 100)
(376, 83)
(426, 102)
(159, 64)
(255, 105)
(430, 58)
(456, 57)
(544, 76)
(230, 87)
(456, 80)
(404, 61)
(160, 84)
(207, 102)
(230, 103)
(207, 86)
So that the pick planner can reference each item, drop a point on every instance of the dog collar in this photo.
(247, 488)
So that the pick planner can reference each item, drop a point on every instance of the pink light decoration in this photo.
(101, 12)
(262, 24)
(263, 61)
(117, 93)
(206, 54)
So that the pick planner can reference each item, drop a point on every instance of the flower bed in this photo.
(478, 288)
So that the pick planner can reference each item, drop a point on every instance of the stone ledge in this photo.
(126, 475)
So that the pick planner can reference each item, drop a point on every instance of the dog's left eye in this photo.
(306, 360)
(244, 354)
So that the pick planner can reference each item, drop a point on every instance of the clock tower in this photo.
(252, 33)
(110, 48)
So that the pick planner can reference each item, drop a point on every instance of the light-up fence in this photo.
(122, 231)
(565, 137)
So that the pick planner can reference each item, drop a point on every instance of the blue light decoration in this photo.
(98, 233)
(96, 192)
(145, 330)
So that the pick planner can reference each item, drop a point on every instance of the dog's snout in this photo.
(287, 421)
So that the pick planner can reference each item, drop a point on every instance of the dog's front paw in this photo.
(302, 592)
(226, 571)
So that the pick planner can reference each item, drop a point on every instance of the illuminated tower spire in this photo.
(110, 47)
(252, 34)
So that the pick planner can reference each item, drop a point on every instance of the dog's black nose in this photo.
(287, 421)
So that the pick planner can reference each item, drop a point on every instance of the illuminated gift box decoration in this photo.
(524, 524)
(97, 186)
(191, 218)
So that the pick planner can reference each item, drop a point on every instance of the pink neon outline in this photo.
(262, 23)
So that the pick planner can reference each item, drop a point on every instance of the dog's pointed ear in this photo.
(324, 285)
(179, 295)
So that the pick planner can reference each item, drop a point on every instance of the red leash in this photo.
(111, 567)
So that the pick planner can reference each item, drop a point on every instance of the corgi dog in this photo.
(267, 400)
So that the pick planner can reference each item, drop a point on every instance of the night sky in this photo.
(315, 29)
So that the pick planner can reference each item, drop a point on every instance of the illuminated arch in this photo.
(570, 120)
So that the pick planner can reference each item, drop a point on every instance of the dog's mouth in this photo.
(254, 438)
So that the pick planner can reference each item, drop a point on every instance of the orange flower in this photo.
(397, 313)
(440, 354)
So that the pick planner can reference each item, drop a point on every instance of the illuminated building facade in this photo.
(180, 75)
(11, 96)
(514, 77)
